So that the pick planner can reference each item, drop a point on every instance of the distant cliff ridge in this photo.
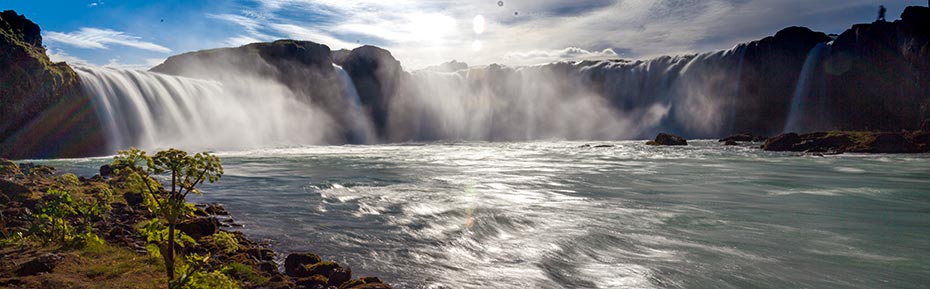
(871, 77)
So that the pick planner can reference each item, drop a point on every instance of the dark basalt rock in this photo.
(378, 78)
(42, 264)
(892, 143)
(339, 275)
(853, 142)
(315, 281)
(297, 261)
(106, 171)
(664, 139)
(200, 227)
(8, 168)
(743, 137)
(782, 143)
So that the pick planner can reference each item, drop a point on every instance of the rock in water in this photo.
(891, 143)
(299, 260)
(852, 142)
(664, 139)
(782, 143)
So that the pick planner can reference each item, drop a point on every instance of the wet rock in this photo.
(297, 261)
(268, 267)
(12, 189)
(665, 139)
(315, 281)
(133, 199)
(263, 254)
(321, 268)
(200, 227)
(339, 275)
(106, 171)
(42, 264)
(925, 126)
(8, 168)
(782, 143)
(743, 137)
(730, 143)
(891, 143)
(32, 169)
(215, 209)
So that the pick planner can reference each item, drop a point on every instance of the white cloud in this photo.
(116, 62)
(567, 54)
(424, 33)
(58, 55)
(95, 38)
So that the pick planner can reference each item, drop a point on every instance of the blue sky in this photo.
(140, 34)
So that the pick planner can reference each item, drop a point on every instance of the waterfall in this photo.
(696, 95)
(359, 124)
(155, 111)
(804, 103)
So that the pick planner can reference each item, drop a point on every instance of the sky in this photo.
(139, 34)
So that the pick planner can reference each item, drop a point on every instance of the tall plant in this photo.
(183, 172)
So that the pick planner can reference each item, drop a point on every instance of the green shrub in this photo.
(226, 241)
(210, 280)
(245, 273)
(60, 212)
(70, 179)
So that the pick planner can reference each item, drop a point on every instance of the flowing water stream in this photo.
(559, 215)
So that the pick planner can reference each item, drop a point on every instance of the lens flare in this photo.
(478, 24)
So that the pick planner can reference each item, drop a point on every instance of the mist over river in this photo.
(560, 215)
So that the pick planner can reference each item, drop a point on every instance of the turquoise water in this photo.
(557, 215)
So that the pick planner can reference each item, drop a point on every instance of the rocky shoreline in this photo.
(832, 142)
(28, 263)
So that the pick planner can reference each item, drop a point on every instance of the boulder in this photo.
(106, 171)
(743, 137)
(215, 209)
(891, 143)
(42, 264)
(200, 227)
(315, 281)
(12, 189)
(8, 168)
(321, 268)
(339, 275)
(296, 261)
(133, 199)
(782, 143)
(664, 139)
(730, 143)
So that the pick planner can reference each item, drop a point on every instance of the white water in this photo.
(695, 95)
(561, 215)
(360, 125)
(151, 111)
(802, 114)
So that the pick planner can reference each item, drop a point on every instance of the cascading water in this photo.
(151, 110)
(360, 126)
(700, 95)
(804, 103)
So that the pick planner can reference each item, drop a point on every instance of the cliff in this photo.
(45, 113)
